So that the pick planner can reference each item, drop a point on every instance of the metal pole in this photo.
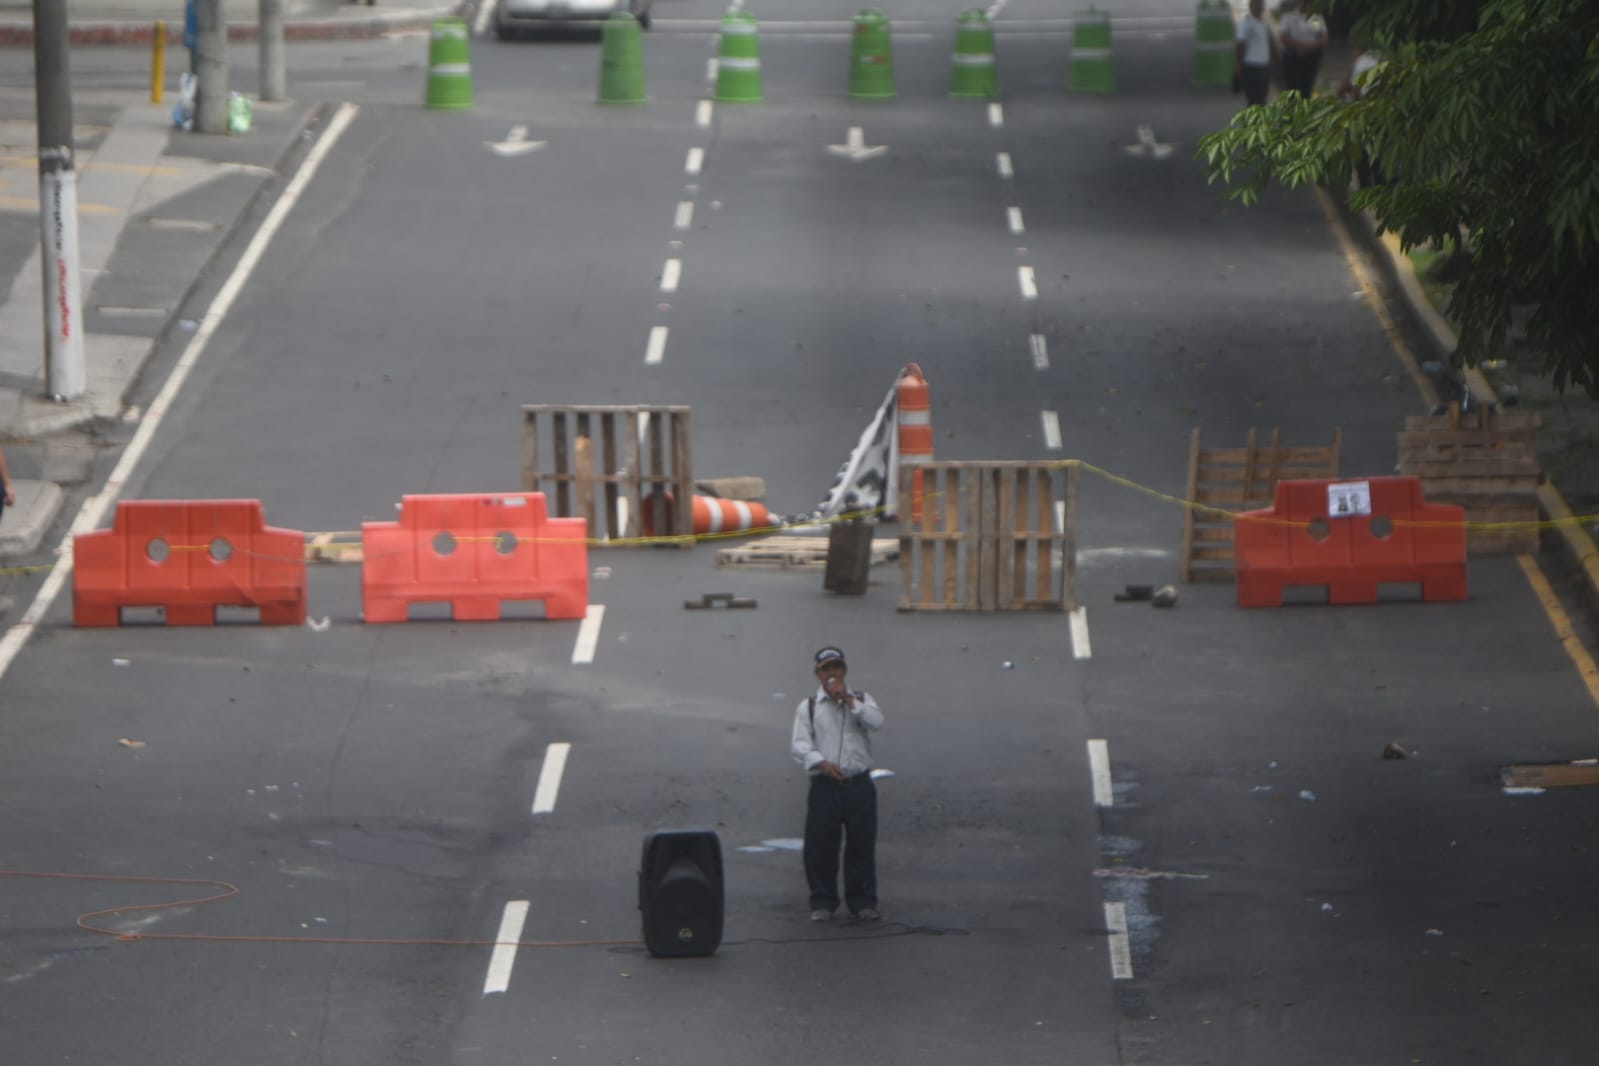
(272, 80)
(65, 377)
(158, 62)
(211, 88)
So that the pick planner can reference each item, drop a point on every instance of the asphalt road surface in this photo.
(1174, 845)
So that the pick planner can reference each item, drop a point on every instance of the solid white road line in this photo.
(996, 115)
(550, 777)
(1002, 163)
(1051, 430)
(655, 351)
(95, 507)
(505, 941)
(1121, 953)
(485, 12)
(1099, 770)
(1013, 218)
(588, 632)
(671, 274)
(685, 215)
(1040, 350)
(1024, 278)
(1080, 645)
(695, 160)
(702, 113)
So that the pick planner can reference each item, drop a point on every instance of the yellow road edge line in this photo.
(1379, 307)
(1562, 623)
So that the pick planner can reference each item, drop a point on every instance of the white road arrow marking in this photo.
(1148, 146)
(515, 143)
(855, 149)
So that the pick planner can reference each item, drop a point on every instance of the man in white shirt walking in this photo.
(1304, 37)
(1252, 63)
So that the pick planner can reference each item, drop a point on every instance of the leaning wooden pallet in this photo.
(1225, 480)
(1486, 461)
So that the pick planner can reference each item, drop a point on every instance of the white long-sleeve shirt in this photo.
(839, 736)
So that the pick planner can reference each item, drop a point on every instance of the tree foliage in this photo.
(1488, 136)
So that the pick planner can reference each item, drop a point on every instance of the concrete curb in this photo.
(19, 34)
(1578, 544)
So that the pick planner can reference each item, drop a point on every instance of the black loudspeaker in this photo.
(680, 892)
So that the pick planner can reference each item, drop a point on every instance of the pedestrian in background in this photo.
(832, 740)
(1252, 55)
(1304, 37)
(9, 496)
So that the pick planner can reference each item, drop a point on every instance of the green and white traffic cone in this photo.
(622, 60)
(1213, 44)
(973, 75)
(738, 69)
(1091, 63)
(871, 66)
(449, 66)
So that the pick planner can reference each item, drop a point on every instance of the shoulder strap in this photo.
(813, 719)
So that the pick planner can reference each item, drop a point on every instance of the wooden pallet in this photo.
(334, 546)
(784, 552)
(609, 464)
(1485, 461)
(990, 536)
(1239, 479)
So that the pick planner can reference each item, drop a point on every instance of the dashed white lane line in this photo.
(1099, 771)
(1051, 420)
(996, 115)
(1080, 646)
(1121, 952)
(711, 68)
(671, 274)
(1024, 278)
(550, 777)
(695, 160)
(655, 350)
(1002, 164)
(1013, 219)
(685, 215)
(505, 941)
(588, 632)
(702, 113)
(1040, 350)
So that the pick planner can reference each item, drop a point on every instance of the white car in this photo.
(514, 17)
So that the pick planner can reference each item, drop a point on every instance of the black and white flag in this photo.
(867, 481)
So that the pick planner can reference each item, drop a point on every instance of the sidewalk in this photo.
(155, 206)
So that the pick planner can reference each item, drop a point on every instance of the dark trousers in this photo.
(841, 812)
(1299, 71)
(1256, 80)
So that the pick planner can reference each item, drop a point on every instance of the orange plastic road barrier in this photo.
(712, 514)
(1298, 542)
(914, 413)
(188, 557)
(474, 552)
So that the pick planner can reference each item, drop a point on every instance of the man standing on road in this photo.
(832, 740)
(1252, 62)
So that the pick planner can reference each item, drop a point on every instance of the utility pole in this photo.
(211, 80)
(271, 19)
(65, 377)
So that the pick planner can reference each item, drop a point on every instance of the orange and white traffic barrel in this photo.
(914, 415)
